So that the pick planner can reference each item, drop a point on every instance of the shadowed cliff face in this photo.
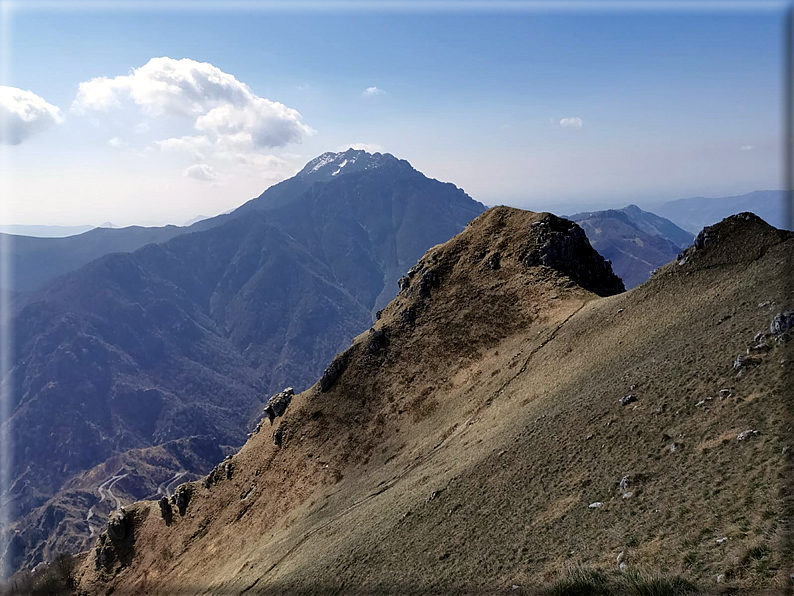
(189, 337)
(636, 242)
(480, 435)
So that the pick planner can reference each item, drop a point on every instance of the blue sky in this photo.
(658, 104)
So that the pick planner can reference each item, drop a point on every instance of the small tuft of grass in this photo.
(582, 582)
(595, 582)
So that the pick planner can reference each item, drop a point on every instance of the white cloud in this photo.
(202, 172)
(117, 143)
(267, 123)
(221, 105)
(372, 92)
(576, 123)
(23, 113)
(368, 147)
(747, 147)
(141, 128)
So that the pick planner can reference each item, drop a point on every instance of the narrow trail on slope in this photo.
(166, 488)
(105, 491)
(429, 455)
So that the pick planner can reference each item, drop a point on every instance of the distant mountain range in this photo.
(636, 242)
(696, 213)
(144, 354)
(187, 337)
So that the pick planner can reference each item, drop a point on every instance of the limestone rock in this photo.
(277, 404)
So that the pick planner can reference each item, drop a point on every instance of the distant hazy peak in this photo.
(330, 165)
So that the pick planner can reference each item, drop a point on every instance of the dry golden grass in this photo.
(464, 454)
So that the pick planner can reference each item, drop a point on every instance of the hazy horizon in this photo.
(165, 115)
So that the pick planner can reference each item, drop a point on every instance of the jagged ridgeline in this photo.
(140, 370)
(510, 414)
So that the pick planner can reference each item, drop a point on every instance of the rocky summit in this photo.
(509, 415)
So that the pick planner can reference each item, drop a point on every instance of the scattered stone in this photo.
(786, 449)
(745, 434)
(403, 282)
(782, 323)
(743, 360)
(759, 337)
(278, 436)
(588, 437)
(408, 315)
(426, 283)
(628, 495)
(595, 505)
(627, 399)
(623, 484)
(376, 342)
(165, 509)
(182, 496)
(764, 303)
(720, 578)
(619, 559)
(434, 494)
(705, 237)
(761, 346)
(493, 262)
(721, 540)
(724, 394)
(620, 310)
(683, 261)
(277, 404)
(673, 447)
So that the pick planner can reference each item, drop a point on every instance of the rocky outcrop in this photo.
(277, 405)
(562, 245)
(182, 496)
(782, 323)
(114, 547)
(334, 371)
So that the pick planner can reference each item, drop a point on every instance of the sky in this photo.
(150, 116)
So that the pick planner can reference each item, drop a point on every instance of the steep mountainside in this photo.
(35, 261)
(500, 422)
(697, 212)
(635, 241)
(185, 338)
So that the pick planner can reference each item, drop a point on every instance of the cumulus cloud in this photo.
(266, 123)
(23, 114)
(747, 147)
(201, 172)
(368, 147)
(576, 123)
(221, 105)
(117, 143)
(372, 92)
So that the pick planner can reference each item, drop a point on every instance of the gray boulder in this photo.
(782, 323)
(277, 404)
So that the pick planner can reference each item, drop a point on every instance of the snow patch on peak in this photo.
(323, 160)
(341, 165)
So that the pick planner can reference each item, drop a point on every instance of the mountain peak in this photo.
(740, 238)
(329, 165)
